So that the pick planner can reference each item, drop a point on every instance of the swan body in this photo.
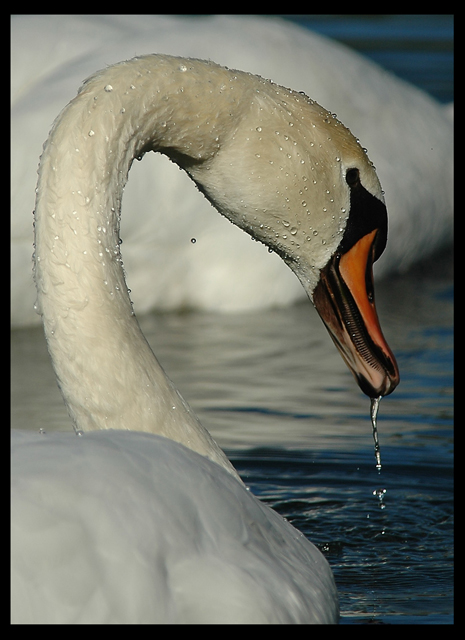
(134, 546)
(165, 509)
(52, 54)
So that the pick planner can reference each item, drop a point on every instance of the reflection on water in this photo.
(274, 392)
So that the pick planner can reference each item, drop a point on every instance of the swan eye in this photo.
(353, 177)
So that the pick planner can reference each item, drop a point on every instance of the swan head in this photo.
(344, 293)
(274, 162)
(295, 178)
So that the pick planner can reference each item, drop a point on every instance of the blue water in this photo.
(391, 565)
(275, 394)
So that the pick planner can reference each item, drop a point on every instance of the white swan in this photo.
(128, 527)
(51, 55)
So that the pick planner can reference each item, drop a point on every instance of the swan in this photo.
(52, 54)
(140, 517)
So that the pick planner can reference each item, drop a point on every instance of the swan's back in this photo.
(134, 528)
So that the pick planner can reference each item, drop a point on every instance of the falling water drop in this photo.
(374, 415)
(380, 492)
(193, 240)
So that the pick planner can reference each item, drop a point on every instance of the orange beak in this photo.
(344, 298)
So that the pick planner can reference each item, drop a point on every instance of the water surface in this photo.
(274, 392)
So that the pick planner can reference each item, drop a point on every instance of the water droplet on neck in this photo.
(108, 88)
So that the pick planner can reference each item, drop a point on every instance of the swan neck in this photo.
(106, 370)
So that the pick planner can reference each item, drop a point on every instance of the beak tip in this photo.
(383, 386)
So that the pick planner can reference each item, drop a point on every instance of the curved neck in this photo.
(266, 157)
(107, 372)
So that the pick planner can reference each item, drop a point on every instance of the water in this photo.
(374, 408)
(274, 392)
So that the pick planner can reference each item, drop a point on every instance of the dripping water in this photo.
(374, 416)
(380, 493)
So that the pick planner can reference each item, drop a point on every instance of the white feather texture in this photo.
(105, 530)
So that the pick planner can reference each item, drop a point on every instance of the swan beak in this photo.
(344, 298)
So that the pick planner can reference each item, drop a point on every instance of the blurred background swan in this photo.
(51, 55)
